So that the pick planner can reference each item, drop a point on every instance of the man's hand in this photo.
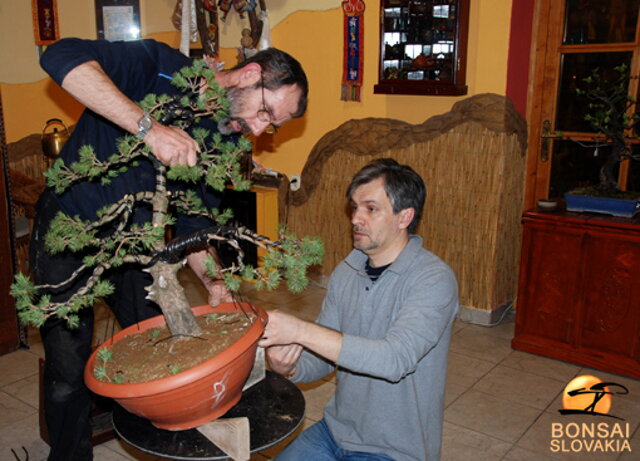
(171, 145)
(218, 293)
(282, 329)
(283, 359)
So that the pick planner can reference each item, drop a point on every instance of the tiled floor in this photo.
(500, 403)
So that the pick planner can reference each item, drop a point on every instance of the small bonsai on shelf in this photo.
(219, 164)
(612, 114)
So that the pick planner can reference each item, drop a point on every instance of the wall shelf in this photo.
(423, 47)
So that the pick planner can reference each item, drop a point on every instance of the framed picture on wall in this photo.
(118, 19)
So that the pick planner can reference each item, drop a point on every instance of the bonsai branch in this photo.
(114, 240)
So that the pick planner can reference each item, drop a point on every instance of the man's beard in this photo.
(363, 243)
(225, 126)
(237, 97)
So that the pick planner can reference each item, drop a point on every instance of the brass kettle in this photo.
(53, 141)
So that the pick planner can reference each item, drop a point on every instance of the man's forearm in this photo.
(218, 292)
(91, 86)
(323, 341)
(284, 329)
(196, 262)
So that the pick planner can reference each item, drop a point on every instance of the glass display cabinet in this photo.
(423, 47)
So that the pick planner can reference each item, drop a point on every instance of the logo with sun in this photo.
(587, 394)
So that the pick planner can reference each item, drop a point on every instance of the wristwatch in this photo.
(144, 125)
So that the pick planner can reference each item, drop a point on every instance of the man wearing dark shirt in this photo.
(265, 91)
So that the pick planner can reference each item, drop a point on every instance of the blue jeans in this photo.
(317, 444)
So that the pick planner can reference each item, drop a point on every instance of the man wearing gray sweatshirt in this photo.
(385, 325)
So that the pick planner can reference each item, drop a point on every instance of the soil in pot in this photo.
(155, 354)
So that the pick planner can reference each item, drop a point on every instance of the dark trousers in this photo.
(67, 401)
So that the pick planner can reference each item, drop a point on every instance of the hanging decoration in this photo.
(241, 6)
(353, 49)
(45, 21)
(258, 36)
(184, 19)
(200, 17)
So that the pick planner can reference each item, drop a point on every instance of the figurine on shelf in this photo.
(392, 73)
(422, 62)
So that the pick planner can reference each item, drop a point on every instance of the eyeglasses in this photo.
(264, 114)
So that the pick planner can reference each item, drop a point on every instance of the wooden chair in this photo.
(27, 165)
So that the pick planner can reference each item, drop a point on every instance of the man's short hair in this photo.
(278, 69)
(404, 187)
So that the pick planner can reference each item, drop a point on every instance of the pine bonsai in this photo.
(613, 116)
(218, 164)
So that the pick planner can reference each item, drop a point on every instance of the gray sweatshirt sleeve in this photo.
(311, 367)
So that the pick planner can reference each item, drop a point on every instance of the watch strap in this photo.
(144, 125)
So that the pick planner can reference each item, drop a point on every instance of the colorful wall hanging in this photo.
(45, 21)
(353, 49)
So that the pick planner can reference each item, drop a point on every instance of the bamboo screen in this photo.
(472, 161)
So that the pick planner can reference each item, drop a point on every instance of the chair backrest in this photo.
(27, 164)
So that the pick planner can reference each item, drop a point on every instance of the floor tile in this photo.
(541, 366)
(478, 343)
(520, 454)
(465, 371)
(26, 390)
(23, 433)
(307, 306)
(503, 330)
(13, 410)
(36, 348)
(452, 392)
(492, 416)
(16, 366)
(520, 387)
(459, 443)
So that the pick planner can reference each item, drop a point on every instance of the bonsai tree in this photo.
(612, 115)
(218, 164)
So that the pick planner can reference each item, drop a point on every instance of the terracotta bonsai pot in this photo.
(194, 396)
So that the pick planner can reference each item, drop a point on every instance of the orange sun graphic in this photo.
(583, 401)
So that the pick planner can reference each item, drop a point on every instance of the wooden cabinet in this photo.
(579, 290)
(256, 209)
(423, 47)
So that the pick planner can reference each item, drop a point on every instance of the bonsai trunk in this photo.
(165, 290)
(608, 179)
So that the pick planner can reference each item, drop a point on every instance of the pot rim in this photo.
(191, 375)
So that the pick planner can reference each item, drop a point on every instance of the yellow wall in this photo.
(314, 37)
